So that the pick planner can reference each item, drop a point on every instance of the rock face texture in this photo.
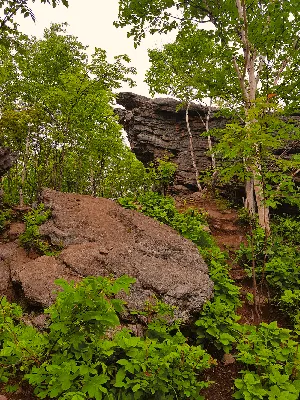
(101, 238)
(155, 128)
(7, 158)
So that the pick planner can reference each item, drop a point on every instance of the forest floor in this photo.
(229, 233)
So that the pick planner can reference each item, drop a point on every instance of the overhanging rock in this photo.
(156, 128)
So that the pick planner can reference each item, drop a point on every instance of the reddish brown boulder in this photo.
(102, 238)
(37, 279)
(15, 230)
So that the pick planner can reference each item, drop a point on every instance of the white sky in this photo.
(92, 22)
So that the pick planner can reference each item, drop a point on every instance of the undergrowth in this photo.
(270, 354)
(277, 262)
(5, 217)
(85, 353)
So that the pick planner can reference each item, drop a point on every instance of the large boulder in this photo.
(100, 238)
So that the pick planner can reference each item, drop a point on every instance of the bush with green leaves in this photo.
(218, 321)
(86, 354)
(164, 173)
(276, 256)
(5, 216)
(31, 239)
(273, 360)
(21, 346)
(277, 260)
(191, 223)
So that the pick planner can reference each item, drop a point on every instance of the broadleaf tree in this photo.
(259, 43)
(56, 113)
(9, 10)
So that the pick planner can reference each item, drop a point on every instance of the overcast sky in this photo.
(92, 22)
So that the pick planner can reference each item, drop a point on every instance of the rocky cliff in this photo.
(155, 128)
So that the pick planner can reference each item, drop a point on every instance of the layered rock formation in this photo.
(156, 128)
(100, 238)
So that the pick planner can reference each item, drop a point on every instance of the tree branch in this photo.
(285, 63)
(241, 79)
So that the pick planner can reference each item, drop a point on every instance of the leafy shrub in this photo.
(273, 358)
(277, 258)
(164, 174)
(31, 238)
(5, 216)
(218, 324)
(85, 354)
(21, 346)
(290, 302)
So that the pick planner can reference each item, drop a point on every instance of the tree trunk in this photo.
(192, 147)
(249, 202)
(210, 147)
(254, 187)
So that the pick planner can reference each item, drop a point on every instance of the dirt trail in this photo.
(228, 233)
(223, 223)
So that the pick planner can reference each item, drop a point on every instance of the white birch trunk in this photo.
(192, 147)
(254, 187)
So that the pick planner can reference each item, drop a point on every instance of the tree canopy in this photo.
(56, 114)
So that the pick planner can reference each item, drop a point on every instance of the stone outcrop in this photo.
(7, 158)
(155, 128)
(100, 238)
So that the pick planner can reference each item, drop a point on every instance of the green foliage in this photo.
(9, 10)
(21, 346)
(256, 152)
(272, 356)
(244, 217)
(217, 322)
(5, 216)
(190, 223)
(163, 174)
(277, 259)
(84, 354)
(290, 302)
(229, 32)
(57, 115)
(31, 239)
(218, 325)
